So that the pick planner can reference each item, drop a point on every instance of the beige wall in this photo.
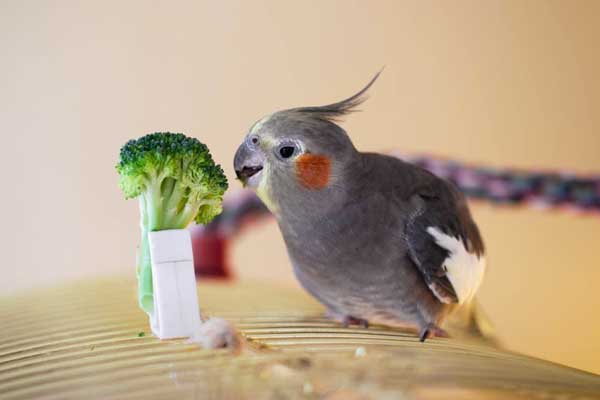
(505, 83)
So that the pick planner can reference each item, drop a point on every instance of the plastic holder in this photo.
(176, 313)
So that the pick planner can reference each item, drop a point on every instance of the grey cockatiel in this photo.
(373, 238)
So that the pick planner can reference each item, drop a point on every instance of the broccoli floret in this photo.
(176, 181)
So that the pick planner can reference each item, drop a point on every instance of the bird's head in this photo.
(297, 155)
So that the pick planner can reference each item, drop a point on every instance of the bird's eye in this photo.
(252, 140)
(286, 151)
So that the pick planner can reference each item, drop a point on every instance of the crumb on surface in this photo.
(216, 333)
(360, 352)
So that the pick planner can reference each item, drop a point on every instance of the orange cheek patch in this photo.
(313, 170)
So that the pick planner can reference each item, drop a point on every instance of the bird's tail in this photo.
(469, 321)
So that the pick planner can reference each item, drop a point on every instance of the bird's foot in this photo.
(432, 330)
(349, 320)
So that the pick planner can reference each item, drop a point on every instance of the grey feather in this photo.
(335, 111)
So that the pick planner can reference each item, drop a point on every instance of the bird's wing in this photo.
(444, 243)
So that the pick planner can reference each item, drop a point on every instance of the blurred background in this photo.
(498, 83)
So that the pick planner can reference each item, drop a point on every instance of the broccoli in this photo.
(177, 182)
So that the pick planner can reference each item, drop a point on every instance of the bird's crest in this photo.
(335, 111)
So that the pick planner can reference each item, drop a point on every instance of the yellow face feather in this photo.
(262, 190)
(259, 124)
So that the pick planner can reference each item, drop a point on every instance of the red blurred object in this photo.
(210, 243)
(210, 253)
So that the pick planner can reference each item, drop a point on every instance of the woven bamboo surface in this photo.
(89, 340)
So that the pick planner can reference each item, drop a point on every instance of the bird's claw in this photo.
(432, 330)
(349, 320)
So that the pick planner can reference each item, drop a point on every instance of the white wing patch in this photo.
(464, 270)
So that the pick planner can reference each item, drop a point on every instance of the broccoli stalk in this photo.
(177, 182)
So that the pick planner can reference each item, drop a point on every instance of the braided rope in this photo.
(516, 187)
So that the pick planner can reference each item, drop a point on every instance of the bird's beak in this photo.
(248, 164)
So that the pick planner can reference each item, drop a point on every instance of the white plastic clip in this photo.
(176, 312)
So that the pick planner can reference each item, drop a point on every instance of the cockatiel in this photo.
(371, 237)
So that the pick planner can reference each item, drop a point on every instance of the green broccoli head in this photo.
(176, 181)
(175, 175)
